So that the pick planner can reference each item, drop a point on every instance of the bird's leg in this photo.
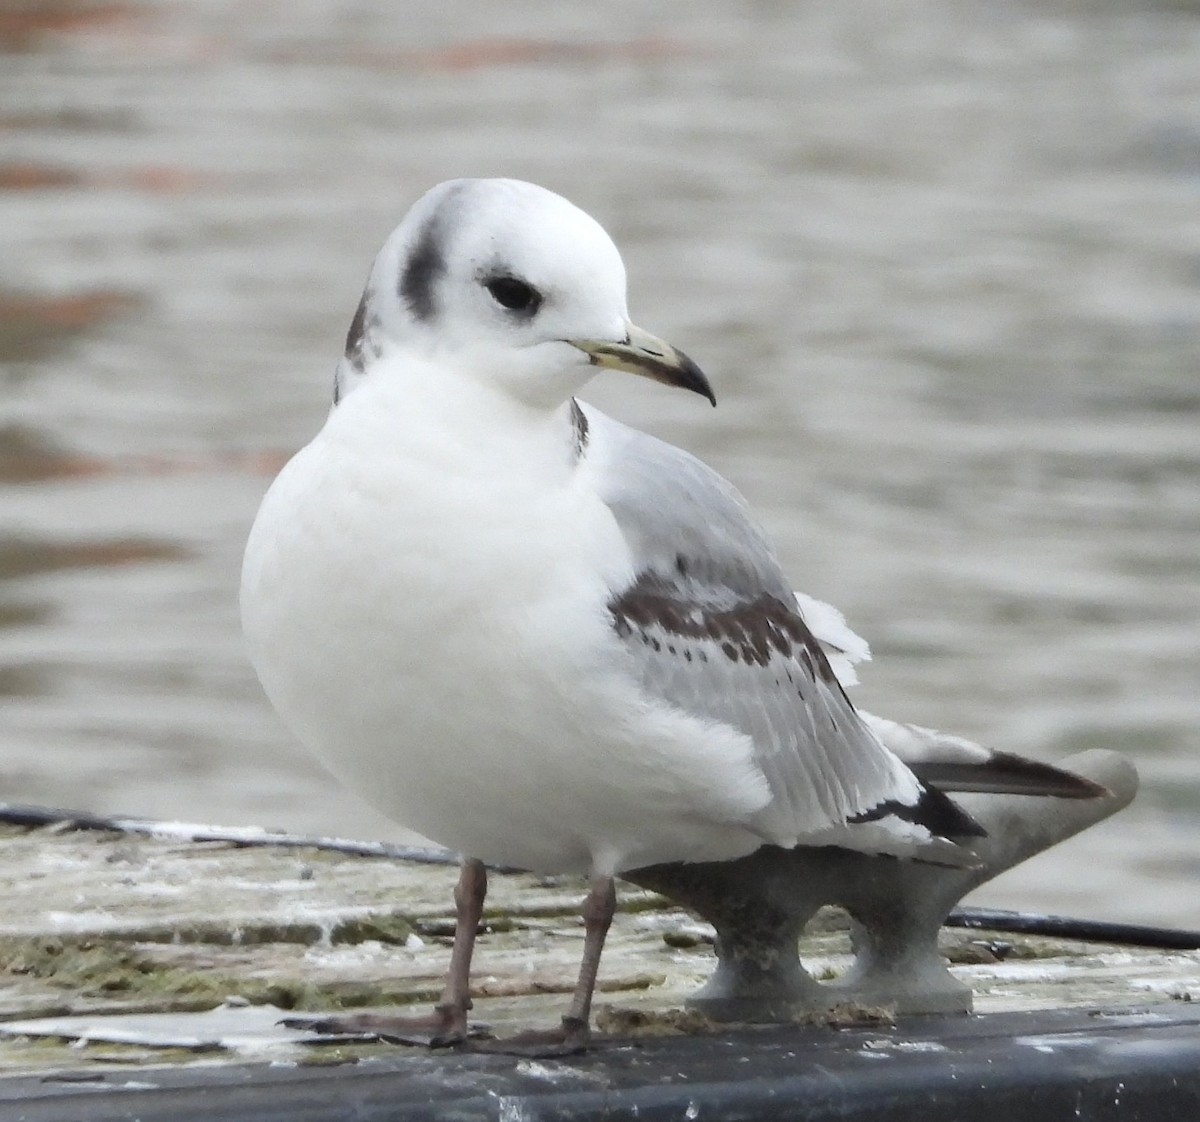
(598, 909)
(448, 1022)
(469, 895)
(575, 1032)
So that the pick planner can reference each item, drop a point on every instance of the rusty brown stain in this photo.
(29, 456)
(24, 26)
(20, 557)
(33, 326)
(27, 176)
(480, 54)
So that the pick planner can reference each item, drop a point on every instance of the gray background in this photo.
(940, 260)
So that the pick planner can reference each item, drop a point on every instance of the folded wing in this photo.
(713, 629)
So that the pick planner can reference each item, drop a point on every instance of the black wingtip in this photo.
(943, 817)
(934, 810)
(1006, 774)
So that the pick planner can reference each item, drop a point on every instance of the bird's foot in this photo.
(569, 1039)
(441, 1029)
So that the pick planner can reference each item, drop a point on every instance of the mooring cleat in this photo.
(761, 904)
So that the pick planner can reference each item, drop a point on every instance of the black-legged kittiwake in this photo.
(543, 638)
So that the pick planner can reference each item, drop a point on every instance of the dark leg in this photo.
(575, 1032)
(448, 1023)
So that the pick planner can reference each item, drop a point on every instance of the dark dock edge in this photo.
(993, 1068)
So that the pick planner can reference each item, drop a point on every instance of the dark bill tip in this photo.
(691, 377)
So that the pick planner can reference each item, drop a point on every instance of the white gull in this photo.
(543, 638)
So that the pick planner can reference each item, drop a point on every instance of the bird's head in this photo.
(506, 281)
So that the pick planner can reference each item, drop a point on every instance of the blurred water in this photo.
(940, 259)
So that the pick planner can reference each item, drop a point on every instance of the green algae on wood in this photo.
(101, 923)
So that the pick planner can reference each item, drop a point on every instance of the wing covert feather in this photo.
(714, 629)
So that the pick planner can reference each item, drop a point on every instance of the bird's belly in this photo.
(453, 662)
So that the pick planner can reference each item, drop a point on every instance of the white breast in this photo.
(426, 606)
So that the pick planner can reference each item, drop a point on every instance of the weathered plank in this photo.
(103, 923)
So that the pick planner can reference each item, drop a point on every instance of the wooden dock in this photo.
(123, 930)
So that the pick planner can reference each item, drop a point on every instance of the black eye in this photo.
(514, 294)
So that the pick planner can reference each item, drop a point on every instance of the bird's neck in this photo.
(455, 418)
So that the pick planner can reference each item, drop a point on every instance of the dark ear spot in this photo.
(426, 263)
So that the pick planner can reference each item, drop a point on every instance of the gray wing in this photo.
(672, 506)
(714, 629)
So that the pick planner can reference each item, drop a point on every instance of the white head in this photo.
(507, 281)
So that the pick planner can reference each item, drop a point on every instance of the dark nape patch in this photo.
(750, 631)
(936, 811)
(358, 342)
(354, 337)
(579, 423)
(426, 263)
